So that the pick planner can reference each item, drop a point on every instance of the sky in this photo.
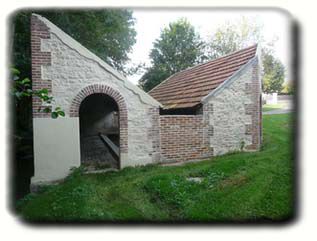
(149, 24)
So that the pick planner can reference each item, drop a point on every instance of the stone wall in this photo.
(230, 121)
(236, 116)
(71, 72)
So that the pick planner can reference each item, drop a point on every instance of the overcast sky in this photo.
(149, 24)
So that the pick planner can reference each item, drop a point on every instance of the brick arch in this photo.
(123, 113)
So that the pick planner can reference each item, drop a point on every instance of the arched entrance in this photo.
(99, 131)
(103, 125)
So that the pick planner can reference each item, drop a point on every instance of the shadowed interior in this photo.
(99, 115)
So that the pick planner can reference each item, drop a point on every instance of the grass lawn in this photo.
(235, 187)
(268, 107)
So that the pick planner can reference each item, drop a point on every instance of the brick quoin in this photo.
(39, 31)
(255, 128)
(123, 113)
(154, 133)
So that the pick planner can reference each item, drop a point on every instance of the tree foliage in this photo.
(22, 89)
(273, 73)
(178, 47)
(232, 37)
(109, 33)
(288, 88)
(244, 33)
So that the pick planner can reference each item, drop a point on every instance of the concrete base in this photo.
(56, 148)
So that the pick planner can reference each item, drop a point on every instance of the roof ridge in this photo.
(211, 67)
(222, 57)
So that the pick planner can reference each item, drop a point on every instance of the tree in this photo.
(178, 47)
(232, 37)
(288, 88)
(110, 34)
(273, 73)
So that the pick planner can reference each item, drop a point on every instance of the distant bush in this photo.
(288, 88)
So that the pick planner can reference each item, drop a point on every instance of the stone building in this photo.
(207, 110)
(212, 108)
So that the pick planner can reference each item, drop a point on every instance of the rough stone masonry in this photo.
(229, 120)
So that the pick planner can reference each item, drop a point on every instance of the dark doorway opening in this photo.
(99, 132)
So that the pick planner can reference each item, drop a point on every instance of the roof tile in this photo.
(186, 88)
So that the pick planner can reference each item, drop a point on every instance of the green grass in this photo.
(236, 187)
(268, 107)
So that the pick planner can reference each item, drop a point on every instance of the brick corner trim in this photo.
(38, 58)
(123, 112)
(254, 109)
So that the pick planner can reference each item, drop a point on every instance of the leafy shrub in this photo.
(212, 178)
(22, 89)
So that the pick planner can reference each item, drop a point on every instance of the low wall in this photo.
(183, 138)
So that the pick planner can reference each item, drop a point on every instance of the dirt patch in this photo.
(233, 181)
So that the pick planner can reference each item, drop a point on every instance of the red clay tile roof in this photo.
(187, 88)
